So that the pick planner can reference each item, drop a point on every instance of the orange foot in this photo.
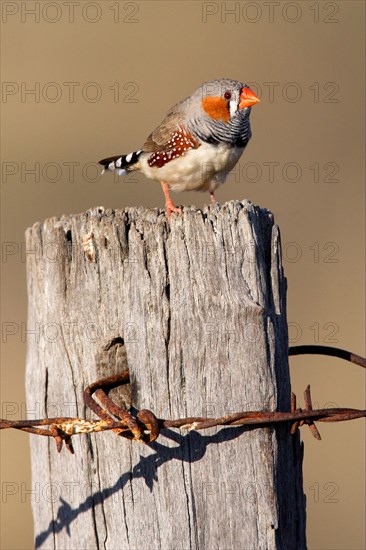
(168, 201)
(171, 208)
(213, 198)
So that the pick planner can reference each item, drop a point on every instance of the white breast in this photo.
(202, 169)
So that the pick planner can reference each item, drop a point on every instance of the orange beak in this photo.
(247, 98)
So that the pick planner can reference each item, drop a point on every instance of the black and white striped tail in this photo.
(121, 164)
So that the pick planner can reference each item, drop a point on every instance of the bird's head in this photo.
(223, 99)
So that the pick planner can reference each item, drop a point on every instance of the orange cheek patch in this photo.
(216, 107)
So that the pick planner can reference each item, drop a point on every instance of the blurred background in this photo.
(85, 80)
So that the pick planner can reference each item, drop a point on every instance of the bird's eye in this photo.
(227, 95)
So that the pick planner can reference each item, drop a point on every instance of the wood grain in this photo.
(197, 309)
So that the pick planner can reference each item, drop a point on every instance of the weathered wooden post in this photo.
(198, 305)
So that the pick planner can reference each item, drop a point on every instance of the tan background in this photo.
(166, 49)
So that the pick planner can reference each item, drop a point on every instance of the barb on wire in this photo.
(145, 427)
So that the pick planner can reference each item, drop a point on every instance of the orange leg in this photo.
(213, 198)
(168, 201)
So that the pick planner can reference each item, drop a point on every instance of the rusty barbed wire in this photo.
(146, 427)
(330, 351)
